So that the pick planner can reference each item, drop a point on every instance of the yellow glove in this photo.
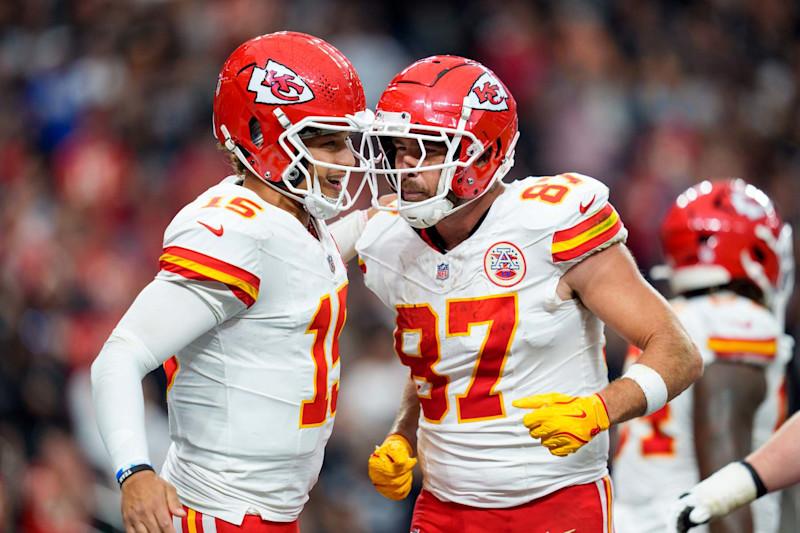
(564, 423)
(390, 467)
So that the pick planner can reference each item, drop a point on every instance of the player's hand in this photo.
(687, 513)
(564, 423)
(148, 504)
(729, 488)
(390, 467)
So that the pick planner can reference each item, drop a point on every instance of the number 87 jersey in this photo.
(480, 326)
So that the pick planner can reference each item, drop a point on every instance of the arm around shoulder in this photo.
(347, 229)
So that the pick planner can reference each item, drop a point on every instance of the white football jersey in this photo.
(251, 402)
(481, 326)
(656, 462)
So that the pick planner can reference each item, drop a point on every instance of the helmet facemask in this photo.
(462, 151)
(301, 160)
(303, 165)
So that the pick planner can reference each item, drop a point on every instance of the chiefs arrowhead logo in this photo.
(488, 94)
(277, 84)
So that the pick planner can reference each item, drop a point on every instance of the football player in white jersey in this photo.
(724, 244)
(498, 293)
(250, 300)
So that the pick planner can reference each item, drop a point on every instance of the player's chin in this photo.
(332, 187)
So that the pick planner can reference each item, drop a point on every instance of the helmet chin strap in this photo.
(425, 216)
(320, 209)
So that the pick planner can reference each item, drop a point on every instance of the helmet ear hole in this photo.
(485, 157)
(759, 255)
(256, 135)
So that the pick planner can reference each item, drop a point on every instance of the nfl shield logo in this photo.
(442, 271)
(331, 264)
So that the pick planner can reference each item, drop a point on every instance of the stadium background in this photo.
(105, 132)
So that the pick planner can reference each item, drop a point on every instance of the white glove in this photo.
(729, 488)
(687, 513)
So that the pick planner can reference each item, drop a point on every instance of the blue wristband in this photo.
(125, 473)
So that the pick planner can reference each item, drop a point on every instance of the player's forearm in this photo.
(677, 363)
(407, 419)
(118, 399)
(624, 400)
(671, 352)
(778, 461)
(669, 363)
(347, 230)
(163, 319)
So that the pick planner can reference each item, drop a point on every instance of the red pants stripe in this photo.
(196, 522)
(577, 509)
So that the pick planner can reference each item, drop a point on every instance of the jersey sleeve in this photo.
(215, 259)
(587, 223)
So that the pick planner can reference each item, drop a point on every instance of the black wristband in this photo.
(122, 475)
(761, 489)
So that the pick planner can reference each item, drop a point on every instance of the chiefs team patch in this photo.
(504, 264)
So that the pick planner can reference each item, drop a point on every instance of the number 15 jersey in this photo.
(480, 326)
(252, 401)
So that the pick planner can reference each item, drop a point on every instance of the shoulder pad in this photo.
(213, 247)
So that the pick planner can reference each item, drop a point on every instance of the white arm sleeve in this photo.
(164, 318)
(346, 232)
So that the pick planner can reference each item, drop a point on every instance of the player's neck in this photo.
(457, 227)
(271, 196)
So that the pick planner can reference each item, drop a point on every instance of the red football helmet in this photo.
(721, 231)
(276, 90)
(449, 100)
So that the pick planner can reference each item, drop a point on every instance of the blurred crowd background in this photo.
(105, 132)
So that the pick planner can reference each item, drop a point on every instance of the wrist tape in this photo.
(652, 385)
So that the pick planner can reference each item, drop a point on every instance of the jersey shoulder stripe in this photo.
(586, 235)
(202, 267)
(725, 347)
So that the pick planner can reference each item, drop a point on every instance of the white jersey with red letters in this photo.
(656, 461)
(481, 325)
(251, 402)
